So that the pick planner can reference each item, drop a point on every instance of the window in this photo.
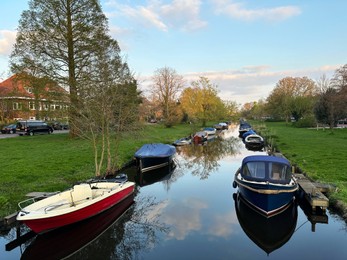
(17, 106)
(279, 172)
(32, 105)
(29, 89)
(254, 170)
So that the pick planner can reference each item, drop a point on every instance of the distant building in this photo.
(22, 97)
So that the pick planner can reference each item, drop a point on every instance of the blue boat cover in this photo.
(249, 132)
(265, 158)
(155, 150)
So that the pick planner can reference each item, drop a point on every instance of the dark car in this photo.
(32, 127)
(9, 129)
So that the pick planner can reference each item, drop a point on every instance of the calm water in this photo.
(192, 212)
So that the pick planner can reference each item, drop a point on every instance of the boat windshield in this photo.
(280, 172)
(254, 170)
(267, 171)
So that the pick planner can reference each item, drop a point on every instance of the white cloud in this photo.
(179, 14)
(7, 39)
(238, 10)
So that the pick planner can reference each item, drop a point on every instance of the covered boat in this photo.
(243, 128)
(154, 156)
(82, 201)
(266, 182)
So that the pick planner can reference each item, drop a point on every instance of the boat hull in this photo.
(45, 222)
(65, 241)
(151, 163)
(154, 156)
(269, 199)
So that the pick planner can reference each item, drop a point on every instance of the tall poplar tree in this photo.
(60, 39)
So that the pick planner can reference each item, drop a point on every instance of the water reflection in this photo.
(202, 160)
(158, 175)
(267, 233)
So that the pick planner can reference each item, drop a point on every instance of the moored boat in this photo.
(243, 128)
(210, 130)
(266, 182)
(254, 142)
(182, 141)
(154, 156)
(200, 137)
(66, 241)
(82, 201)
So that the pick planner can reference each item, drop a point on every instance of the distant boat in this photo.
(266, 182)
(249, 132)
(268, 234)
(254, 142)
(182, 141)
(200, 137)
(243, 128)
(210, 130)
(82, 201)
(154, 156)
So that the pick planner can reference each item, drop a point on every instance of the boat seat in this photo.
(81, 192)
(276, 176)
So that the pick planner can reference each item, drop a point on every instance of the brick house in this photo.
(22, 97)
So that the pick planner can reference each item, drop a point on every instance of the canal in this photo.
(191, 212)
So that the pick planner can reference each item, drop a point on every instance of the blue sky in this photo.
(243, 46)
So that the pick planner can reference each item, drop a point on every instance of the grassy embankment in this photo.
(321, 154)
(54, 162)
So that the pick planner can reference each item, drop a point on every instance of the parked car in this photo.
(56, 125)
(32, 127)
(9, 129)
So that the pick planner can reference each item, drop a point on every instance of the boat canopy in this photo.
(155, 150)
(266, 168)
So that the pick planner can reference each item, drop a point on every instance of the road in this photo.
(3, 136)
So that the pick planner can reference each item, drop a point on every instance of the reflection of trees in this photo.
(135, 231)
(202, 160)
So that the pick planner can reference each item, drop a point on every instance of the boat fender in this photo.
(234, 184)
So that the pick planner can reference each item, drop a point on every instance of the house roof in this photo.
(16, 87)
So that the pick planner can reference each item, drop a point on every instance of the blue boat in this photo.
(243, 128)
(154, 156)
(266, 182)
(249, 132)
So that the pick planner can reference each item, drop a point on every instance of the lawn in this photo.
(321, 153)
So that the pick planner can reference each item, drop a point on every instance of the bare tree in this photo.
(167, 85)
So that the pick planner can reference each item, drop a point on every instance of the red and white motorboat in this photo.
(80, 202)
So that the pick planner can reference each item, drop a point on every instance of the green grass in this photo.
(321, 154)
(54, 162)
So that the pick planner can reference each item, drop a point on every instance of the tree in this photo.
(59, 39)
(326, 109)
(109, 106)
(292, 97)
(200, 101)
(339, 82)
(166, 86)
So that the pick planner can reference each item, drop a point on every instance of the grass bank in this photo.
(54, 162)
(321, 153)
